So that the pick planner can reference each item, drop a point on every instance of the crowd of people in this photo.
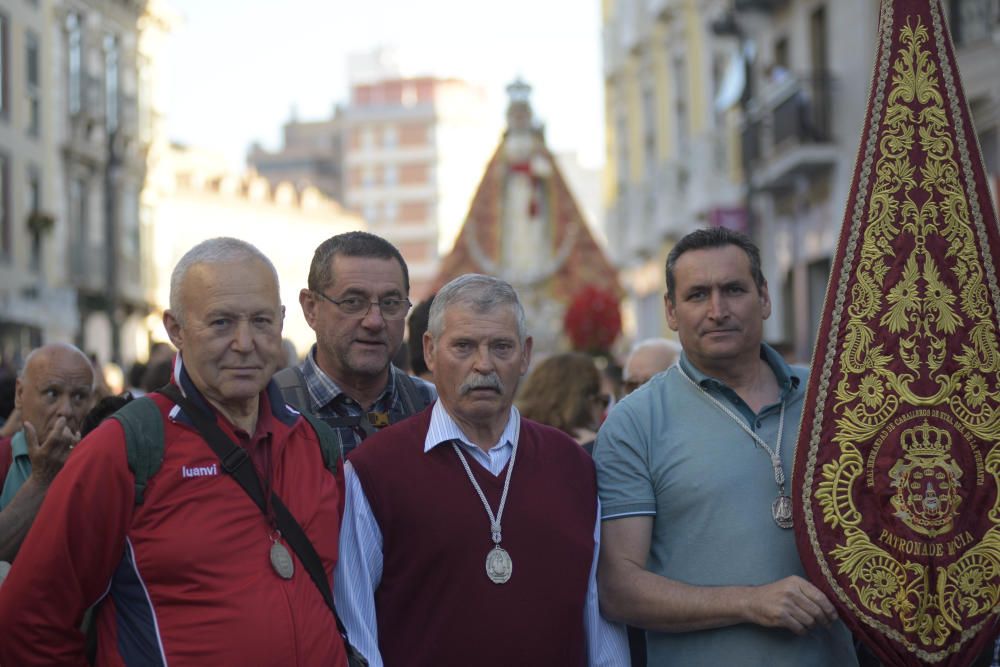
(238, 509)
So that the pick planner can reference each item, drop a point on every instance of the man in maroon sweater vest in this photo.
(469, 534)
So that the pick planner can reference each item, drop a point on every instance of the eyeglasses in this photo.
(391, 307)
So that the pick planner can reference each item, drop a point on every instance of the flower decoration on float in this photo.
(593, 320)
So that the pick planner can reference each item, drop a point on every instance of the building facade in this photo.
(801, 126)
(312, 153)
(72, 164)
(671, 165)
(197, 198)
(33, 307)
(748, 114)
(404, 152)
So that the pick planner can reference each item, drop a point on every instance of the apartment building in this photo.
(72, 163)
(672, 161)
(801, 126)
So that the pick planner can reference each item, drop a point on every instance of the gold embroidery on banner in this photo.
(921, 203)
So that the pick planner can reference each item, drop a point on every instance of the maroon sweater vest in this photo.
(435, 605)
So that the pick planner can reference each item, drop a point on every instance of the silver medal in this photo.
(281, 560)
(498, 565)
(781, 510)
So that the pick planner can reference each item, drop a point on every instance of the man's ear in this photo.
(526, 354)
(671, 312)
(18, 390)
(309, 305)
(174, 329)
(765, 301)
(428, 342)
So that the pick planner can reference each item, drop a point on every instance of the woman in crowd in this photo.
(564, 391)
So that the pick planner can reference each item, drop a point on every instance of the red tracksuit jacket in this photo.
(185, 578)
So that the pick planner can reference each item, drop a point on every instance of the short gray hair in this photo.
(480, 293)
(220, 250)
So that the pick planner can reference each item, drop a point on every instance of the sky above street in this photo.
(238, 68)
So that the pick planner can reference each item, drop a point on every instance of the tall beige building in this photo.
(801, 127)
(404, 152)
(72, 164)
(36, 304)
(748, 113)
(672, 164)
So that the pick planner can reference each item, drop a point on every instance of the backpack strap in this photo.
(413, 402)
(330, 445)
(143, 426)
(292, 383)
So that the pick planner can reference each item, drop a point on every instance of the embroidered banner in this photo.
(897, 510)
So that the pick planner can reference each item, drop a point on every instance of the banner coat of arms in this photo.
(897, 471)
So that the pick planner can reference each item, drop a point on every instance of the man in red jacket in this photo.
(469, 533)
(184, 576)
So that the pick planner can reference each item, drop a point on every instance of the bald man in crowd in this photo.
(53, 393)
(647, 358)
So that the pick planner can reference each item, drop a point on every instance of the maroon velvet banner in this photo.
(897, 510)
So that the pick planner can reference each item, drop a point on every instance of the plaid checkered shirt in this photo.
(328, 401)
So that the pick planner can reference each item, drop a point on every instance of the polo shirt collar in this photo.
(787, 381)
(272, 408)
(443, 429)
(19, 444)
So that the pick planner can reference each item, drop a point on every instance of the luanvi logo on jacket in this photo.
(200, 471)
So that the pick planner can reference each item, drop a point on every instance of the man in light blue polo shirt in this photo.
(54, 393)
(696, 541)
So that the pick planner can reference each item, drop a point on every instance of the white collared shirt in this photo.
(359, 567)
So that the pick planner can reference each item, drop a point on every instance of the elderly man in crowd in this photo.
(647, 358)
(469, 534)
(53, 394)
(356, 302)
(194, 573)
(697, 546)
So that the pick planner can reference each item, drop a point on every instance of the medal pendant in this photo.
(498, 565)
(781, 510)
(281, 560)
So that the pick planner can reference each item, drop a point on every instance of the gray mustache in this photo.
(477, 381)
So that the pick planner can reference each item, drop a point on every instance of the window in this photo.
(781, 55)
(111, 83)
(33, 83)
(74, 53)
(680, 107)
(130, 222)
(972, 20)
(6, 231)
(78, 212)
(649, 132)
(4, 68)
(390, 137)
(390, 175)
(35, 206)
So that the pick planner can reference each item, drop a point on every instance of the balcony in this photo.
(766, 6)
(787, 132)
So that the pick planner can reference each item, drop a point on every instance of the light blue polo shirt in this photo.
(668, 452)
(20, 469)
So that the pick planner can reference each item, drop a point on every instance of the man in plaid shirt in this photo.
(356, 302)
